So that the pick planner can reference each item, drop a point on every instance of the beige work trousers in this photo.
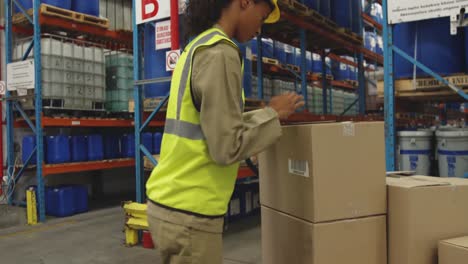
(182, 238)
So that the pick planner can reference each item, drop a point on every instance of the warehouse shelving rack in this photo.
(389, 87)
(38, 23)
(327, 40)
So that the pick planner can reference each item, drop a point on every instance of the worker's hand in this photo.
(286, 104)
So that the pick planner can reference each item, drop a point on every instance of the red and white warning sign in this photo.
(172, 57)
(163, 35)
(150, 10)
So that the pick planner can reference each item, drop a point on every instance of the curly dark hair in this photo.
(201, 15)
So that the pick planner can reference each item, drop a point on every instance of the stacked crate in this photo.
(119, 13)
(73, 75)
(317, 101)
(338, 104)
(119, 81)
(350, 98)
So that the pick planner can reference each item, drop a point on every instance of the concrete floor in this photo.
(97, 238)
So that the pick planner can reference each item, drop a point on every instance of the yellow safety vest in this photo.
(186, 177)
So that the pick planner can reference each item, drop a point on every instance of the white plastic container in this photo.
(415, 148)
(452, 149)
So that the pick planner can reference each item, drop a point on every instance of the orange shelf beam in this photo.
(51, 169)
(344, 85)
(88, 122)
(113, 38)
(372, 56)
(371, 22)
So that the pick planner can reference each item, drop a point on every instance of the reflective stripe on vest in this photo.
(186, 177)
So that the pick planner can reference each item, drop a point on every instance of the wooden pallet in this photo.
(319, 76)
(282, 30)
(267, 60)
(49, 10)
(147, 164)
(292, 67)
(149, 105)
(352, 82)
(294, 6)
(422, 88)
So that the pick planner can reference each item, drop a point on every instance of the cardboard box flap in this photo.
(451, 181)
(461, 242)
(415, 182)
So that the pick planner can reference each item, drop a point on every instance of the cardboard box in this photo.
(422, 211)
(326, 172)
(286, 239)
(453, 251)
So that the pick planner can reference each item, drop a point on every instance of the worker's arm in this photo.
(216, 85)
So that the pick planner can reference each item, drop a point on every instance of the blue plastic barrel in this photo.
(356, 12)
(267, 47)
(128, 146)
(329, 66)
(147, 140)
(342, 12)
(79, 148)
(157, 139)
(370, 41)
(112, 147)
(309, 62)
(379, 47)
(65, 4)
(340, 71)
(290, 54)
(325, 8)
(298, 57)
(90, 7)
(317, 63)
(279, 52)
(314, 4)
(155, 65)
(436, 47)
(247, 81)
(60, 201)
(58, 149)
(80, 193)
(95, 147)
(403, 38)
(28, 144)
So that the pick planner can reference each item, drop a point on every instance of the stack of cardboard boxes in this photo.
(423, 211)
(323, 195)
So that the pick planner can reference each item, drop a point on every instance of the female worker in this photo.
(206, 132)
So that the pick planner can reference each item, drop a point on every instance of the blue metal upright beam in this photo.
(303, 44)
(361, 70)
(324, 85)
(259, 68)
(38, 105)
(389, 93)
(137, 96)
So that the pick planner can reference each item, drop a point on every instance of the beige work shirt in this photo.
(231, 135)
